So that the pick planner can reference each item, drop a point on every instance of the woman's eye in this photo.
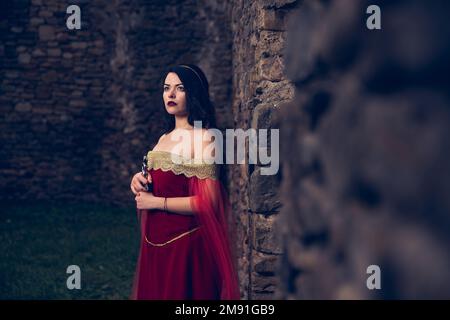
(166, 88)
(181, 88)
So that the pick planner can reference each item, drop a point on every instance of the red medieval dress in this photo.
(185, 257)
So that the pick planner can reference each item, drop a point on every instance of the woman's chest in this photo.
(169, 184)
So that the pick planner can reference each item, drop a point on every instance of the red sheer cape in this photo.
(211, 206)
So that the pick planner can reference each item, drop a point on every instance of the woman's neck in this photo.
(181, 122)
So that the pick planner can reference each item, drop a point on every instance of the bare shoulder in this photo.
(157, 146)
(203, 133)
(203, 136)
(207, 140)
(208, 134)
(162, 137)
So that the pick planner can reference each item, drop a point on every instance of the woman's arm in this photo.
(180, 205)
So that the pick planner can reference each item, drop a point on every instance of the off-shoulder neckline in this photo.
(170, 154)
(174, 154)
(164, 160)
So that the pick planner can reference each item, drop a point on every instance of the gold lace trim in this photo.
(171, 240)
(163, 160)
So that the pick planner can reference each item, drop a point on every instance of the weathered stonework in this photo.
(366, 171)
(259, 33)
(81, 107)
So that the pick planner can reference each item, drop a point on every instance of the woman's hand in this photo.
(139, 181)
(146, 200)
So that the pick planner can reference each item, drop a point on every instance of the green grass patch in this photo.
(39, 241)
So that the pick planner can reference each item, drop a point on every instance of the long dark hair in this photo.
(198, 104)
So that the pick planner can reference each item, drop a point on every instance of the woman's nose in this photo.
(172, 94)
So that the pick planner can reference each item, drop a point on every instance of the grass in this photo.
(38, 242)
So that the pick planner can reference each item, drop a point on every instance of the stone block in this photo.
(264, 264)
(270, 4)
(271, 68)
(261, 284)
(274, 20)
(270, 43)
(263, 116)
(23, 107)
(24, 58)
(266, 240)
(46, 33)
(264, 196)
(54, 52)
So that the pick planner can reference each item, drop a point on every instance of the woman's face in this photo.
(174, 95)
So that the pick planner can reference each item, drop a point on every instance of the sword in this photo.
(148, 188)
(144, 171)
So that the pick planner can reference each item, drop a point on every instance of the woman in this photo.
(185, 246)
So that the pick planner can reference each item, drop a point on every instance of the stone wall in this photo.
(80, 108)
(366, 168)
(259, 87)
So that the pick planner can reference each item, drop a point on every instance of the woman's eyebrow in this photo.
(178, 84)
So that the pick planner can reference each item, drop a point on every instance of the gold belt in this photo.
(171, 240)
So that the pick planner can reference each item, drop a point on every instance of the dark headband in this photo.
(195, 72)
